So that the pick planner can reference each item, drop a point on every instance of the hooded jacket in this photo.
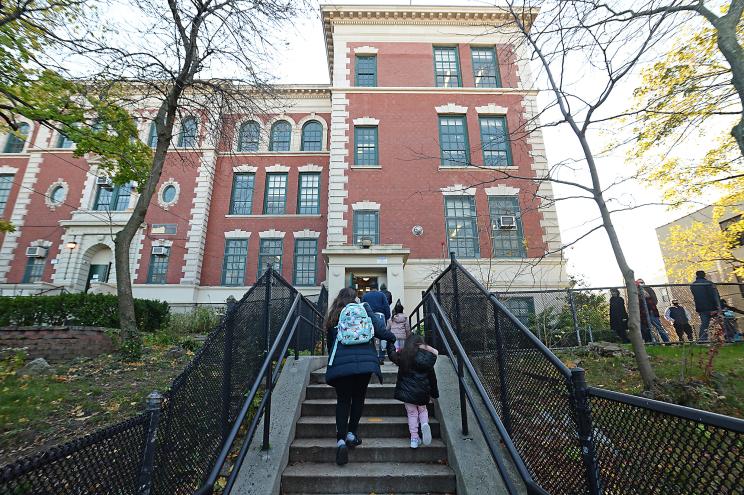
(418, 384)
(398, 324)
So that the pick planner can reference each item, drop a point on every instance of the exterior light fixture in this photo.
(71, 245)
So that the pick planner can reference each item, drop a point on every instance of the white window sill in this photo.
(274, 153)
(364, 167)
(20, 153)
(286, 215)
(479, 168)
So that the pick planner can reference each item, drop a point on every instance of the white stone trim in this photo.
(310, 167)
(196, 238)
(458, 190)
(170, 182)
(502, 190)
(41, 243)
(366, 121)
(306, 234)
(277, 168)
(237, 234)
(491, 109)
(271, 234)
(244, 169)
(8, 170)
(365, 205)
(365, 50)
(451, 108)
(162, 243)
(54, 185)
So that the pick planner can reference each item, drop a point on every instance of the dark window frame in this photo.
(368, 78)
(268, 244)
(454, 49)
(317, 143)
(375, 148)
(511, 242)
(302, 281)
(454, 219)
(301, 189)
(492, 148)
(14, 143)
(496, 75)
(357, 235)
(34, 270)
(274, 210)
(273, 137)
(444, 160)
(238, 262)
(190, 140)
(157, 272)
(249, 137)
(248, 202)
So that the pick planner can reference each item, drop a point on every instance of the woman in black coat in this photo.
(618, 315)
(350, 372)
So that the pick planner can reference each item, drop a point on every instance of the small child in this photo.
(398, 324)
(417, 385)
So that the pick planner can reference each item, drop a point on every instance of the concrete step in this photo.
(361, 477)
(372, 407)
(374, 391)
(371, 450)
(389, 375)
(369, 427)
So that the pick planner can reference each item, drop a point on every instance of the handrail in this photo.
(514, 454)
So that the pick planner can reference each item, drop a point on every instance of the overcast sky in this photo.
(303, 61)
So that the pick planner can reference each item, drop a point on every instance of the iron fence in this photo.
(173, 446)
(575, 439)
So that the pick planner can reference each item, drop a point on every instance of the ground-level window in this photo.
(506, 227)
(233, 266)
(367, 225)
(270, 251)
(521, 307)
(34, 270)
(462, 228)
(306, 262)
(158, 272)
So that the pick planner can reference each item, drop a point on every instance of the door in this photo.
(97, 273)
(364, 285)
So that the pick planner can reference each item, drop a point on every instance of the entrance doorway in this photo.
(364, 284)
(97, 273)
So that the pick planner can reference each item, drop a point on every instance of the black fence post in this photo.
(458, 330)
(586, 436)
(154, 402)
(574, 315)
(270, 371)
(501, 363)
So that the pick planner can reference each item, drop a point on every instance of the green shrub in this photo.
(97, 310)
(198, 321)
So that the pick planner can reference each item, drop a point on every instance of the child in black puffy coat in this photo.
(416, 385)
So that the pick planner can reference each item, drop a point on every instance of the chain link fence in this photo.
(171, 448)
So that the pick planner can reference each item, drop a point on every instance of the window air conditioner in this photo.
(103, 181)
(36, 252)
(160, 250)
(507, 222)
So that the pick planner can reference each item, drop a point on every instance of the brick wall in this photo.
(57, 343)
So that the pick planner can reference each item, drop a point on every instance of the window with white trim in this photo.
(308, 195)
(508, 237)
(234, 261)
(367, 225)
(312, 136)
(305, 262)
(270, 251)
(158, 270)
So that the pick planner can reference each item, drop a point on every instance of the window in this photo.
(169, 193)
(462, 230)
(6, 182)
(453, 140)
(521, 307)
(152, 139)
(114, 198)
(17, 140)
(308, 197)
(241, 201)
(34, 270)
(164, 228)
(312, 136)
(248, 136)
(270, 251)
(276, 194)
(188, 134)
(495, 142)
(58, 195)
(366, 70)
(728, 223)
(158, 272)
(281, 135)
(63, 141)
(306, 261)
(367, 224)
(446, 67)
(485, 67)
(507, 242)
(233, 266)
(365, 141)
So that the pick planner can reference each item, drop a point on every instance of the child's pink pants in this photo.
(416, 415)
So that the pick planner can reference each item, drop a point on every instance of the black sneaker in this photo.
(353, 443)
(342, 455)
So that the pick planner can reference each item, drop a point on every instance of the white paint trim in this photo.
(244, 169)
(502, 190)
(271, 234)
(366, 121)
(162, 243)
(451, 108)
(458, 190)
(491, 109)
(310, 168)
(8, 170)
(306, 234)
(365, 205)
(237, 234)
(277, 168)
(365, 50)
(54, 185)
(170, 182)
(41, 243)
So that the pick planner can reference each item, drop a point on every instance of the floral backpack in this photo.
(354, 327)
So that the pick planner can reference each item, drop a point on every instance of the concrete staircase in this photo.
(384, 463)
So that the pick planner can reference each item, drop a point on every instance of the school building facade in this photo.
(419, 146)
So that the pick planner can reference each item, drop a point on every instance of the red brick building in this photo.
(372, 179)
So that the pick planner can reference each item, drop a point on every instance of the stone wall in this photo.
(57, 343)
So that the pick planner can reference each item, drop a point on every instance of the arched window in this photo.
(281, 134)
(16, 141)
(152, 139)
(312, 136)
(248, 136)
(187, 136)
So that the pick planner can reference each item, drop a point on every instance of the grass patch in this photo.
(680, 370)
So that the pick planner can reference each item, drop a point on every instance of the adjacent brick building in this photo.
(372, 179)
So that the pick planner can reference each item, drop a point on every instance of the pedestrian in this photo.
(645, 326)
(416, 385)
(648, 302)
(388, 294)
(679, 317)
(618, 316)
(350, 366)
(379, 303)
(707, 302)
(399, 325)
(730, 327)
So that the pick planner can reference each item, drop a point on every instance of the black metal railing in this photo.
(563, 436)
(174, 446)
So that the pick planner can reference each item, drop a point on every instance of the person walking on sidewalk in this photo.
(351, 366)
(707, 302)
(618, 316)
(379, 304)
(679, 317)
(399, 325)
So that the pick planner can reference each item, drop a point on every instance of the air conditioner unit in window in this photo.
(507, 222)
(36, 252)
(103, 181)
(160, 250)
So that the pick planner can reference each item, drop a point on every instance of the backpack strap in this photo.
(333, 353)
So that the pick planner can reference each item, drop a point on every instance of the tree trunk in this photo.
(729, 46)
